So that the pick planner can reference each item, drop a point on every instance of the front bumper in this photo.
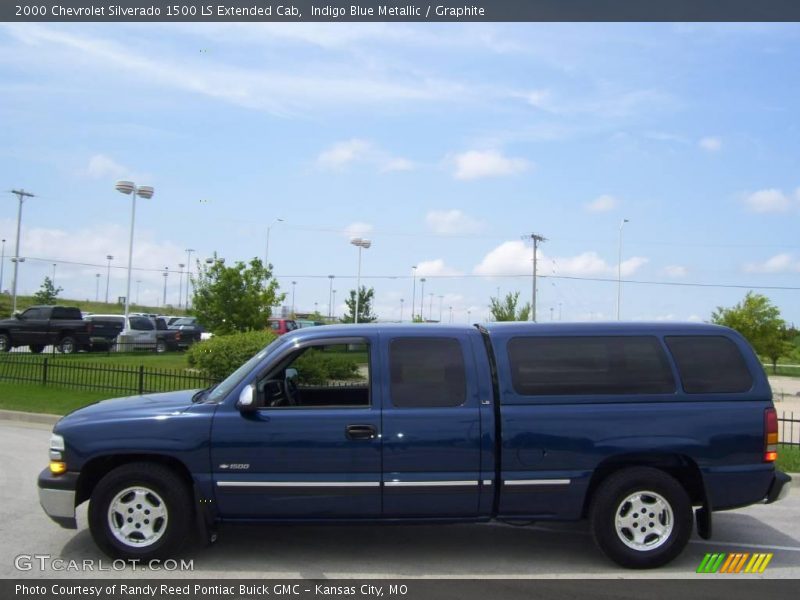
(57, 497)
(779, 488)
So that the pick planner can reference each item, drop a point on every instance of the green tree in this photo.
(506, 309)
(365, 298)
(236, 298)
(48, 293)
(760, 322)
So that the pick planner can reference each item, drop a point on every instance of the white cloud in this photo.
(475, 164)
(675, 271)
(432, 268)
(342, 154)
(602, 203)
(780, 263)
(769, 200)
(101, 166)
(710, 144)
(452, 222)
(514, 258)
(357, 229)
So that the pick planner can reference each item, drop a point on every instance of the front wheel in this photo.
(641, 518)
(67, 345)
(140, 511)
(161, 346)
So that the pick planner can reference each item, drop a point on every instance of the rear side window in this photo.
(427, 372)
(66, 312)
(710, 364)
(141, 324)
(560, 366)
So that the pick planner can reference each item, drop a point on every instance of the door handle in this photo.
(361, 432)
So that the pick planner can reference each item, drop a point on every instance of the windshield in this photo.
(223, 389)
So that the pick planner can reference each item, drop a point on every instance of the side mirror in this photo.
(247, 399)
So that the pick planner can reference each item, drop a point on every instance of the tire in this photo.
(667, 524)
(36, 348)
(161, 346)
(5, 343)
(67, 345)
(123, 491)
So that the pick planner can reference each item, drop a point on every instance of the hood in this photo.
(132, 407)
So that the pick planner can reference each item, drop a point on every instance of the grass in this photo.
(46, 399)
(166, 360)
(789, 458)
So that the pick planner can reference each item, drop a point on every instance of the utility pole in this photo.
(2, 265)
(188, 275)
(536, 239)
(21, 195)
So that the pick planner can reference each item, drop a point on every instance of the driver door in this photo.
(312, 448)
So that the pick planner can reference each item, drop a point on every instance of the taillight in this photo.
(178, 336)
(770, 435)
(89, 327)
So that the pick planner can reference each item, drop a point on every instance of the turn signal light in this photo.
(770, 435)
(57, 467)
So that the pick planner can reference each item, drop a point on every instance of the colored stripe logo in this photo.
(738, 562)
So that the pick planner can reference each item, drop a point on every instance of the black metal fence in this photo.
(789, 429)
(81, 373)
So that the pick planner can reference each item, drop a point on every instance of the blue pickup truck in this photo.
(643, 429)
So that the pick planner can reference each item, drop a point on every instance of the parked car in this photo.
(301, 323)
(40, 326)
(137, 333)
(190, 328)
(644, 429)
(281, 326)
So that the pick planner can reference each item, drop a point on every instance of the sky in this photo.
(444, 144)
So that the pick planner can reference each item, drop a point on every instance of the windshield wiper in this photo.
(202, 394)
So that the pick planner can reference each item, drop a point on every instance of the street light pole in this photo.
(180, 283)
(266, 252)
(294, 283)
(2, 265)
(401, 309)
(188, 274)
(619, 267)
(362, 244)
(422, 299)
(536, 239)
(334, 304)
(413, 290)
(54, 276)
(330, 297)
(146, 192)
(21, 195)
(166, 274)
(441, 299)
(109, 258)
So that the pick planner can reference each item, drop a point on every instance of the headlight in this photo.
(56, 447)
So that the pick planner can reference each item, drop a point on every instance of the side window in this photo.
(557, 366)
(323, 376)
(274, 325)
(33, 313)
(427, 373)
(709, 364)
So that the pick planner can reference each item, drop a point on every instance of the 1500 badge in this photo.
(235, 466)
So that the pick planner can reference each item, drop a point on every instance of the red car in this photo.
(281, 326)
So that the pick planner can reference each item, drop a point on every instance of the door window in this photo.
(427, 372)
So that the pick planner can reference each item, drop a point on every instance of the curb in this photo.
(28, 417)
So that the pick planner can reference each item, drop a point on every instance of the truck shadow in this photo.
(551, 549)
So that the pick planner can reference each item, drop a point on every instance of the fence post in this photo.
(44, 371)
(141, 379)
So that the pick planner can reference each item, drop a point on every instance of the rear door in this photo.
(431, 427)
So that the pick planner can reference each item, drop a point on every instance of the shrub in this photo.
(221, 355)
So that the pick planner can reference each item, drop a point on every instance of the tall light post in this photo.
(146, 192)
(401, 309)
(330, 296)
(619, 267)
(294, 284)
(188, 273)
(266, 251)
(54, 275)
(166, 275)
(422, 299)
(413, 290)
(2, 265)
(361, 244)
(334, 305)
(451, 314)
(109, 258)
(536, 239)
(180, 283)
(21, 195)
(441, 299)
(97, 277)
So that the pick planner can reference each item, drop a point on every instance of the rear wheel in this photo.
(5, 342)
(641, 517)
(140, 511)
(67, 345)
(161, 346)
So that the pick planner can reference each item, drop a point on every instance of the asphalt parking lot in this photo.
(480, 551)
